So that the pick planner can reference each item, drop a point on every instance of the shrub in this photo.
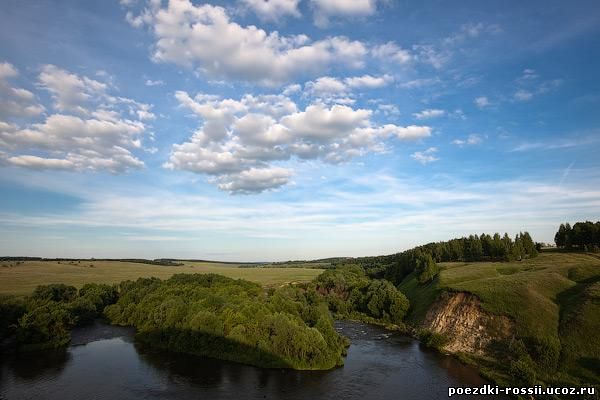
(433, 339)
(54, 292)
(45, 326)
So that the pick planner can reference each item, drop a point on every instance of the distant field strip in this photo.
(22, 278)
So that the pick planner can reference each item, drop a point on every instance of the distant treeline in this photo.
(423, 259)
(583, 236)
(158, 261)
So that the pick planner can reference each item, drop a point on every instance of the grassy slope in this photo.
(554, 295)
(23, 278)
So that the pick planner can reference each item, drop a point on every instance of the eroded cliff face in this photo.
(469, 328)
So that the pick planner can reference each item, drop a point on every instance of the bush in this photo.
(545, 352)
(83, 310)
(55, 292)
(44, 327)
(350, 293)
(523, 371)
(11, 309)
(433, 339)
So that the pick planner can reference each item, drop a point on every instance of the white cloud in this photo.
(241, 142)
(15, 102)
(70, 92)
(369, 81)
(333, 90)
(291, 89)
(433, 55)
(204, 38)
(530, 86)
(390, 110)
(325, 9)
(92, 129)
(256, 180)
(471, 140)
(7, 70)
(528, 75)
(40, 163)
(420, 83)
(471, 31)
(273, 10)
(391, 52)
(150, 82)
(325, 86)
(413, 132)
(523, 95)
(482, 102)
(426, 157)
(430, 113)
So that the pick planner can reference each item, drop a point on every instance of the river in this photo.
(105, 363)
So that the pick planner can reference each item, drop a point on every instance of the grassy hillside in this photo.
(555, 296)
(22, 278)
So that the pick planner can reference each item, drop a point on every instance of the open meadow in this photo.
(21, 278)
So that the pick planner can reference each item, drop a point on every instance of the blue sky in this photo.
(292, 129)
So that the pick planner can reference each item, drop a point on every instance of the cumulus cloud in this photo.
(326, 86)
(15, 102)
(325, 9)
(256, 180)
(7, 70)
(273, 10)
(333, 90)
(425, 157)
(471, 140)
(69, 91)
(204, 38)
(368, 81)
(242, 143)
(91, 130)
(430, 113)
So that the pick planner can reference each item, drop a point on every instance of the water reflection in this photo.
(379, 366)
(31, 366)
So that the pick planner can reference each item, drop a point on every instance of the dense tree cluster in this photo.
(44, 320)
(215, 316)
(351, 293)
(583, 236)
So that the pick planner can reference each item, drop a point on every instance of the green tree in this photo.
(426, 269)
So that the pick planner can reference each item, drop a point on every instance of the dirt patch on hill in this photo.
(466, 325)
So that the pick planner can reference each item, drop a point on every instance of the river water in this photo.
(105, 363)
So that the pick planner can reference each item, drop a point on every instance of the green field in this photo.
(555, 296)
(21, 278)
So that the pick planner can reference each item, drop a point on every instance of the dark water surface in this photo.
(104, 363)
